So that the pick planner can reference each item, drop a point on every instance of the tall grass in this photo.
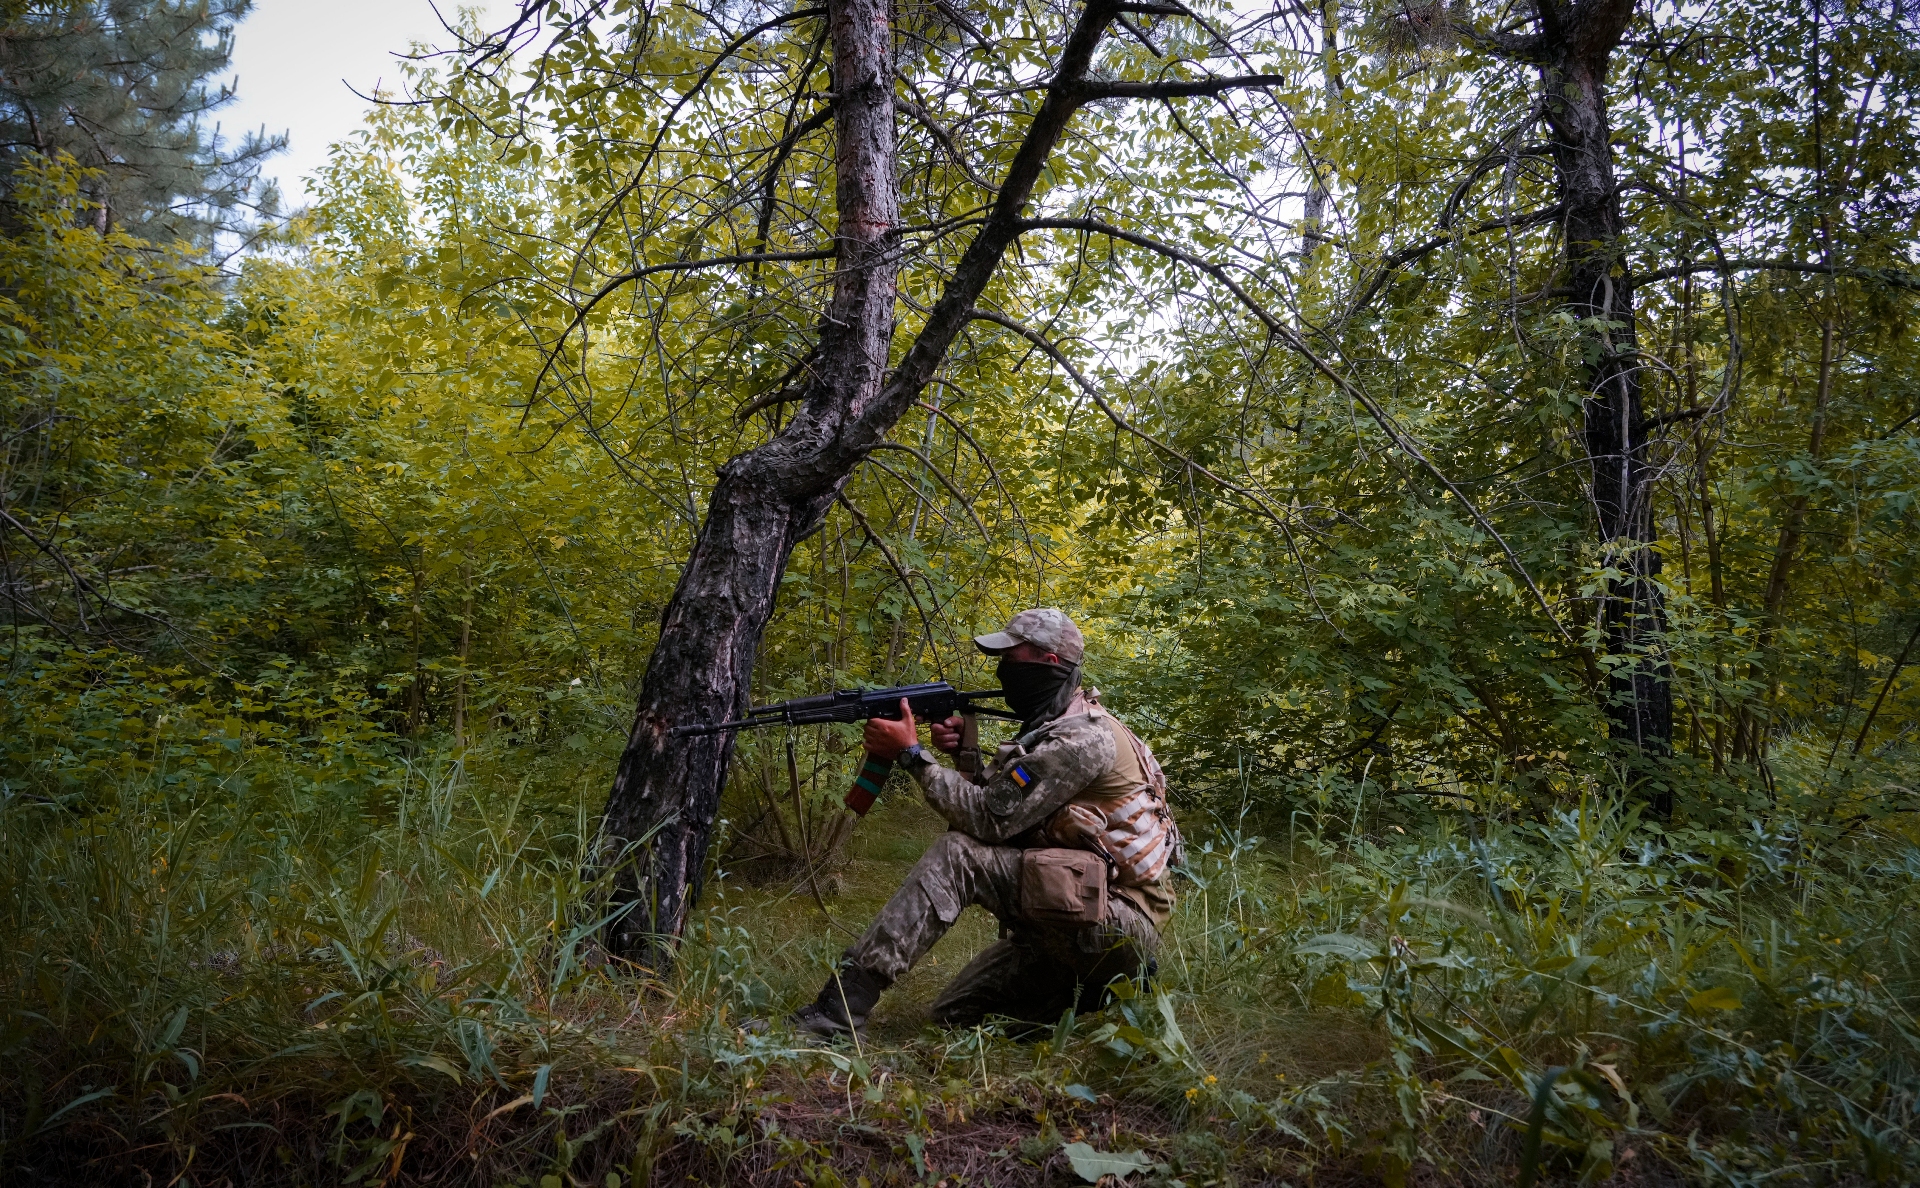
(247, 968)
(265, 983)
(1734, 1005)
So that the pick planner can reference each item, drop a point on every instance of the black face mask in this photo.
(1038, 692)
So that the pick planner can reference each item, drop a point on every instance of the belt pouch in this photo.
(1063, 886)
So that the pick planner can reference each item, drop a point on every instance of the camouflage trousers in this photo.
(1033, 972)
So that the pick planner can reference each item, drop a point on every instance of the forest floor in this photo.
(289, 995)
(996, 1123)
(1011, 1114)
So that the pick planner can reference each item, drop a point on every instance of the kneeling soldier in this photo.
(1065, 838)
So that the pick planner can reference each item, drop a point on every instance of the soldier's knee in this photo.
(956, 1014)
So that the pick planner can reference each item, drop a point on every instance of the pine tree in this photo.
(122, 86)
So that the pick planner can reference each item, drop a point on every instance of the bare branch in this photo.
(1216, 271)
(919, 495)
(1900, 663)
(771, 181)
(1528, 48)
(1001, 228)
(615, 202)
(781, 392)
(925, 119)
(1175, 90)
(582, 310)
(1420, 251)
(1033, 549)
(957, 17)
(902, 572)
(1886, 276)
(1299, 345)
(944, 481)
(1139, 35)
(1261, 506)
(81, 586)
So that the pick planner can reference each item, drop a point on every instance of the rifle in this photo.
(932, 702)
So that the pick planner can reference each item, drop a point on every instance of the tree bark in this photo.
(1756, 722)
(416, 686)
(666, 791)
(466, 648)
(1319, 194)
(1573, 47)
(1750, 740)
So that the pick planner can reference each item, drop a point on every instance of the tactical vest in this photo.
(1122, 814)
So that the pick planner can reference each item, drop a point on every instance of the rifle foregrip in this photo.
(867, 785)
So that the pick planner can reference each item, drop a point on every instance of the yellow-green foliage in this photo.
(327, 597)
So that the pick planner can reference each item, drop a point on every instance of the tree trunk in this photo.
(1319, 194)
(416, 687)
(666, 791)
(763, 503)
(1575, 43)
(1756, 722)
(1750, 740)
(466, 648)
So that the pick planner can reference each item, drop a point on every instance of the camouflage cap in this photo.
(1045, 628)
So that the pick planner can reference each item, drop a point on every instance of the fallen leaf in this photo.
(1090, 1164)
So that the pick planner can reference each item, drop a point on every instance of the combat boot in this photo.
(843, 1005)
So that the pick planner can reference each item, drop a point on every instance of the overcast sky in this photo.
(290, 59)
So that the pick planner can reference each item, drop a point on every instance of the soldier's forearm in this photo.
(965, 804)
(1025, 787)
(956, 798)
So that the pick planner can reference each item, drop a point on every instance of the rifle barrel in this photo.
(849, 706)
(720, 727)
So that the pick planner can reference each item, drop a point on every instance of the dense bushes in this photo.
(321, 639)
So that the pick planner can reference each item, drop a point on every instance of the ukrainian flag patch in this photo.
(1020, 776)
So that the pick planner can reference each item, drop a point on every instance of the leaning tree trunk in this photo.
(666, 790)
(1574, 45)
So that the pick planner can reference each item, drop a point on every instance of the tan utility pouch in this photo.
(1061, 886)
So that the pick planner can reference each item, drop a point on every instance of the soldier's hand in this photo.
(946, 735)
(885, 738)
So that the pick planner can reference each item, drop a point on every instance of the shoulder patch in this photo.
(1006, 792)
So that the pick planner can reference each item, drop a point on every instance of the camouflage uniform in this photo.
(1034, 971)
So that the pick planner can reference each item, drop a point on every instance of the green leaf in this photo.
(436, 1063)
(1719, 998)
(1331, 990)
(75, 1104)
(1172, 1036)
(175, 1027)
(1090, 1164)
(1340, 945)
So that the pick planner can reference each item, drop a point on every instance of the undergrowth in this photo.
(265, 987)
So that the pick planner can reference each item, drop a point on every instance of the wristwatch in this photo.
(913, 754)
